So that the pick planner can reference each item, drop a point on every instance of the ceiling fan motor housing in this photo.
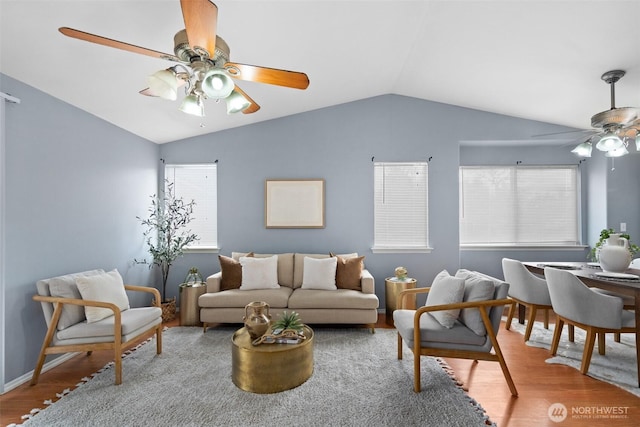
(615, 117)
(183, 50)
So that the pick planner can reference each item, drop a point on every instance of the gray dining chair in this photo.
(528, 290)
(576, 304)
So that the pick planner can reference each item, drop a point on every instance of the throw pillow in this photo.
(107, 287)
(231, 272)
(475, 289)
(259, 273)
(445, 289)
(348, 272)
(65, 287)
(319, 273)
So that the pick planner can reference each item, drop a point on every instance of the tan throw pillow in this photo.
(348, 272)
(231, 272)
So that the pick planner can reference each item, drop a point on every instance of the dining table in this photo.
(627, 283)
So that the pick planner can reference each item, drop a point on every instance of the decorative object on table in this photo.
(167, 235)
(193, 277)
(288, 321)
(257, 318)
(614, 251)
(287, 336)
(604, 235)
(401, 273)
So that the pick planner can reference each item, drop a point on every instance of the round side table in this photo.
(189, 309)
(392, 288)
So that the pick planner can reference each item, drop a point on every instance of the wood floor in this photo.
(539, 385)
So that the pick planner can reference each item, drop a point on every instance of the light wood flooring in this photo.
(539, 385)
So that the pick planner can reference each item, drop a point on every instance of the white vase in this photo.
(614, 255)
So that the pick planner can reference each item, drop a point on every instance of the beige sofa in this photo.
(315, 306)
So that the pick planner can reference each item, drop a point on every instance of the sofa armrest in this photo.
(367, 283)
(213, 282)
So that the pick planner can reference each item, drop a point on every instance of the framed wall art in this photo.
(294, 203)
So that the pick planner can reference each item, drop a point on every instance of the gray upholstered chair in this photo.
(472, 334)
(577, 304)
(528, 290)
(113, 326)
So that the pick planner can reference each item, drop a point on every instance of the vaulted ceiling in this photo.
(539, 60)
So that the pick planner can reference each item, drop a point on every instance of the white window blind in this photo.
(401, 206)
(519, 205)
(199, 183)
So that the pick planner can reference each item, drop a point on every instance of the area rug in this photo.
(357, 381)
(618, 366)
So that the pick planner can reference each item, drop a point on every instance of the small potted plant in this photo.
(288, 321)
(604, 235)
(167, 235)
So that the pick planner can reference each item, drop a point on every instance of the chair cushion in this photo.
(259, 273)
(445, 289)
(231, 272)
(433, 334)
(476, 288)
(348, 272)
(319, 273)
(131, 320)
(107, 287)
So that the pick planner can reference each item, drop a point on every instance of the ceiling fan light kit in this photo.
(616, 128)
(203, 64)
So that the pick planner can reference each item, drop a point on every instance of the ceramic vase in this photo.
(257, 318)
(614, 255)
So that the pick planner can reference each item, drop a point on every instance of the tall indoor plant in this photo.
(167, 232)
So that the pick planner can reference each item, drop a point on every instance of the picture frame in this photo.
(294, 203)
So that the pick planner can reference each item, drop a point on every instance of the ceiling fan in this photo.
(202, 64)
(614, 129)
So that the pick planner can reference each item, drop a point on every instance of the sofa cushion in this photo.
(338, 299)
(445, 289)
(259, 273)
(235, 298)
(476, 288)
(348, 272)
(298, 266)
(319, 274)
(231, 272)
(107, 287)
(285, 266)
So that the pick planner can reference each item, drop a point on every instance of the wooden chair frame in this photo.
(418, 351)
(117, 346)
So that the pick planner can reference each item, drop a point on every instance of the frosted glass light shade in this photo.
(583, 149)
(236, 102)
(217, 84)
(609, 142)
(163, 84)
(192, 104)
(618, 152)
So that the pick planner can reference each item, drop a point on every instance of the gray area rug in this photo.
(618, 366)
(357, 381)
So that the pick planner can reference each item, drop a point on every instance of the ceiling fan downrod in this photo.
(611, 77)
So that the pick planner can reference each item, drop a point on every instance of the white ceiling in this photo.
(540, 60)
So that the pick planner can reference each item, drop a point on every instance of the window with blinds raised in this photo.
(519, 205)
(401, 215)
(199, 183)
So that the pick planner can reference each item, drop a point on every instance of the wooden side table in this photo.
(392, 288)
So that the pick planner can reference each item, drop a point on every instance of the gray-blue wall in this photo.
(74, 186)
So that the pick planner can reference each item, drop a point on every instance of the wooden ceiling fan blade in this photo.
(200, 22)
(81, 35)
(272, 76)
(251, 108)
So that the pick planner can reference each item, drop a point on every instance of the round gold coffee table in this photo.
(270, 368)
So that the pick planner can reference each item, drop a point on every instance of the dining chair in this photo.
(576, 304)
(526, 289)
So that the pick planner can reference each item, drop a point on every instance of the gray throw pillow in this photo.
(65, 287)
(476, 288)
(445, 289)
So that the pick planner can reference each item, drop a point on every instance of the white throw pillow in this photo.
(445, 289)
(259, 273)
(107, 287)
(319, 273)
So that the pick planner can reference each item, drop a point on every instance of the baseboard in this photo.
(47, 366)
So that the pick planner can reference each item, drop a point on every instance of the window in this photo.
(401, 207)
(519, 205)
(199, 183)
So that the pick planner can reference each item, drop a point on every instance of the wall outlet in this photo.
(623, 226)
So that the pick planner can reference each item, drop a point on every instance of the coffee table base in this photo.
(270, 368)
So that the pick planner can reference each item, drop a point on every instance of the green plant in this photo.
(288, 321)
(167, 233)
(604, 235)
